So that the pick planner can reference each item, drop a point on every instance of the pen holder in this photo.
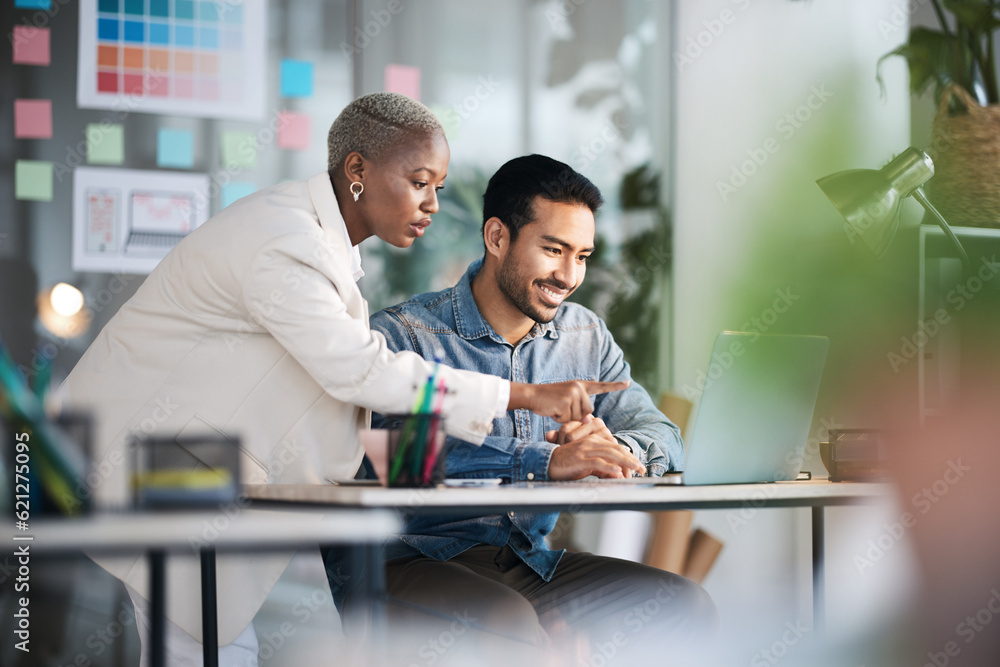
(414, 450)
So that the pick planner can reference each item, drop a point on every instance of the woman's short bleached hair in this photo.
(374, 123)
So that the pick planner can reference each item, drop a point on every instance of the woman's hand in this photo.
(563, 401)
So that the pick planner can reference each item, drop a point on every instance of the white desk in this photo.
(594, 497)
(162, 532)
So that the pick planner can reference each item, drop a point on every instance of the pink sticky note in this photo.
(33, 119)
(293, 131)
(31, 45)
(402, 79)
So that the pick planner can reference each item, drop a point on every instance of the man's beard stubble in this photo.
(511, 282)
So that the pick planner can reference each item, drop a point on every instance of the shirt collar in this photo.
(330, 219)
(355, 253)
(469, 322)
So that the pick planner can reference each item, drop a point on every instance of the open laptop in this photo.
(758, 396)
(756, 408)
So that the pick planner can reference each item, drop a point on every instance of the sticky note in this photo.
(33, 4)
(402, 79)
(236, 190)
(293, 131)
(33, 119)
(33, 180)
(105, 143)
(31, 45)
(296, 78)
(239, 149)
(174, 148)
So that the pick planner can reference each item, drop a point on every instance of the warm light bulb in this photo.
(66, 300)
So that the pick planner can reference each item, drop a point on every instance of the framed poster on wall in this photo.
(202, 58)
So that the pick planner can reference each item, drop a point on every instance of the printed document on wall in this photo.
(127, 220)
(179, 57)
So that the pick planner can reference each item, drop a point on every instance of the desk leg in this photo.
(368, 558)
(209, 610)
(158, 608)
(819, 581)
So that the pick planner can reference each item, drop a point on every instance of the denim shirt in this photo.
(575, 345)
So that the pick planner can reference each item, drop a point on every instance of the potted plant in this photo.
(959, 60)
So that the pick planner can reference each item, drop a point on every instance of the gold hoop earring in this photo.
(357, 193)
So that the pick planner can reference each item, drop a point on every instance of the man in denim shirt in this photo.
(507, 316)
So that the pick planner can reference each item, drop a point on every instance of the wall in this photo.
(742, 66)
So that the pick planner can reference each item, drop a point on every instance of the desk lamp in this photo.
(870, 200)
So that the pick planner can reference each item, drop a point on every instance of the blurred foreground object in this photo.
(185, 472)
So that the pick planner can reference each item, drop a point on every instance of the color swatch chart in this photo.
(191, 57)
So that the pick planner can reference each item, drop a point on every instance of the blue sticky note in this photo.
(174, 148)
(33, 4)
(236, 190)
(296, 78)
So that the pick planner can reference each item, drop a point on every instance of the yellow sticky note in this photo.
(33, 180)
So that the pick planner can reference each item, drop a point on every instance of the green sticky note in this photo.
(33, 180)
(105, 143)
(239, 149)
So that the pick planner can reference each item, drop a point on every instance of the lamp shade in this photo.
(870, 199)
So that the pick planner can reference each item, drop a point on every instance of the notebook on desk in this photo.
(754, 414)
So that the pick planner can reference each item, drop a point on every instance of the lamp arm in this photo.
(919, 195)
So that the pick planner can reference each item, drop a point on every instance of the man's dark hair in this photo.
(513, 188)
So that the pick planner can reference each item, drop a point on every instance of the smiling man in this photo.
(507, 316)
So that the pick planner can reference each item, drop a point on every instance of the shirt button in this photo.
(531, 476)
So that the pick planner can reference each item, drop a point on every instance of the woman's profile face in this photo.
(401, 189)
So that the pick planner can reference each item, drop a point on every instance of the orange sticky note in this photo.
(31, 45)
(402, 79)
(33, 119)
(293, 131)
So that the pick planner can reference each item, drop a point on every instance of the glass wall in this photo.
(583, 81)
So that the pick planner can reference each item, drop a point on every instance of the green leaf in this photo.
(933, 57)
(980, 16)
